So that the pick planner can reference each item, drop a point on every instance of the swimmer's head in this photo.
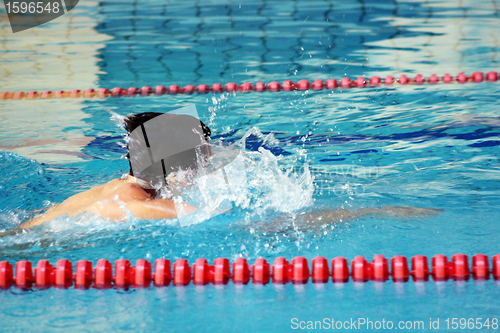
(132, 121)
(163, 143)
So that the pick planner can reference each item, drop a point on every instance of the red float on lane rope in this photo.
(300, 270)
(318, 84)
(459, 268)
(162, 274)
(462, 78)
(182, 273)
(345, 83)
(189, 89)
(288, 85)
(5, 95)
(87, 93)
(303, 85)
(241, 271)
(146, 91)
(440, 268)
(403, 79)
(492, 76)
(115, 92)
(399, 269)
(174, 89)
(360, 269)
(281, 272)
(103, 93)
(389, 80)
(320, 271)
(332, 84)
(160, 90)
(24, 274)
(103, 274)
(123, 273)
(6, 275)
(44, 275)
(246, 87)
(340, 270)
(75, 93)
(32, 95)
(380, 268)
(217, 88)
(360, 82)
(202, 89)
(495, 268)
(83, 275)
(433, 79)
(419, 268)
(63, 274)
(419, 79)
(221, 272)
(261, 271)
(260, 86)
(477, 77)
(132, 91)
(231, 86)
(480, 267)
(202, 272)
(375, 81)
(142, 272)
(447, 78)
(18, 95)
(274, 86)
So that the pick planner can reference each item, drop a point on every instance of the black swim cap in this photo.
(161, 143)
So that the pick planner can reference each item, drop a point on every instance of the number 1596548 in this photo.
(472, 323)
(24, 7)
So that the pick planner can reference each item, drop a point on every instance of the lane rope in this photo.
(261, 272)
(274, 86)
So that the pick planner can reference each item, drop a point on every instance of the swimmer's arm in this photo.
(155, 209)
(338, 215)
(50, 214)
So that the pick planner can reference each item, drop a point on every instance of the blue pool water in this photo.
(423, 146)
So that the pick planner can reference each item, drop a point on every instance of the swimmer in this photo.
(138, 191)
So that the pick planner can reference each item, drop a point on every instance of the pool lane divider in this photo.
(287, 85)
(261, 272)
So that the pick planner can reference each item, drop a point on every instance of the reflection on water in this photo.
(56, 137)
(59, 55)
(445, 37)
(272, 40)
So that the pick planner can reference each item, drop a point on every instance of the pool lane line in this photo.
(274, 86)
(261, 272)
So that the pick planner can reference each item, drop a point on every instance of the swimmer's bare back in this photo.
(109, 201)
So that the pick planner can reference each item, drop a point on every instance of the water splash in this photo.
(254, 183)
(116, 118)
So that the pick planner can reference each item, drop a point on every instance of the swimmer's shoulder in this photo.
(107, 191)
(125, 190)
(142, 203)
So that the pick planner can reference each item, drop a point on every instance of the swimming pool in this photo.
(433, 146)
